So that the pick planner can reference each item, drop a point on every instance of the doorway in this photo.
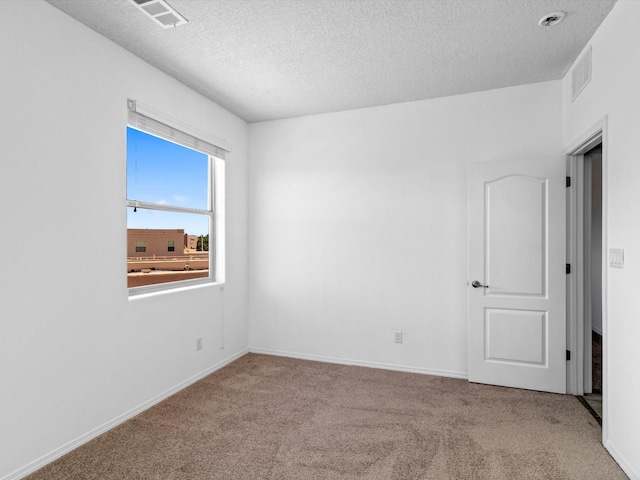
(587, 243)
(593, 255)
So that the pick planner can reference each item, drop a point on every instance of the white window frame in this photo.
(154, 124)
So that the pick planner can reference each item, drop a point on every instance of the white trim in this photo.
(605, 281)
(598, 133)
(360, 363)
(90, 435)
(219, 218)
(622, 462)
(163, 207)
(574, 381)
(592, 137)
(177, 287)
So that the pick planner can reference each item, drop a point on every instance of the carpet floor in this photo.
(265, 417)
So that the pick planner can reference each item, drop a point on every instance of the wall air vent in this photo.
(160, 12)
(581, 74)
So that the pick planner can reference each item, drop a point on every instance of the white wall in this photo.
(358, 223)
(615, 91)
(75, 352)
(357, 228)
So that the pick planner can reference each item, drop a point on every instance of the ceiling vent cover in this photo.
(160, 12)
(581, 74)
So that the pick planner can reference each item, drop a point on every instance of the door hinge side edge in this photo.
(568, 182)
(568, 355)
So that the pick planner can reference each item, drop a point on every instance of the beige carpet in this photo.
(268, 417)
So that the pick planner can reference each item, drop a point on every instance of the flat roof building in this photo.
(150, 242)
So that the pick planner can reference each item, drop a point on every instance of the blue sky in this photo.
(162, 172)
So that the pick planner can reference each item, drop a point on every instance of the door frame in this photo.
(577, 332)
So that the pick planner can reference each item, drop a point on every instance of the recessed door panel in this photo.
(516, 216)
(516, 336)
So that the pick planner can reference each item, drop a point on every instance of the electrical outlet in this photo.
(199, 343)
(397, 336)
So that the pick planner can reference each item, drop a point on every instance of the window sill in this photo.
(158, 290)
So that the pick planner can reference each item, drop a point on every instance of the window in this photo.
(141, 246)
(174, 195)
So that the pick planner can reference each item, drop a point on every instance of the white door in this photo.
(517, 251)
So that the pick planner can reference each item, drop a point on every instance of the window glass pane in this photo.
(159, 171)
(192, 224)
(141, 246)
(156, 230)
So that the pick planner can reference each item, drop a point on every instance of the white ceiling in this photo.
(272, 59)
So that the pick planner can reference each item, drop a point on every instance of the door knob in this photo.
(477, 284)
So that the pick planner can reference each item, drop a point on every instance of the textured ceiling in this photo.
(271, 59)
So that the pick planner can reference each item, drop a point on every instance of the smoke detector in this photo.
(551, 19)
(160, 12)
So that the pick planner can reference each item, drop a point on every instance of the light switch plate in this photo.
(616, 257)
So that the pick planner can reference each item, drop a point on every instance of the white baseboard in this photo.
(72, 445)
(624, 464)
(360, 363)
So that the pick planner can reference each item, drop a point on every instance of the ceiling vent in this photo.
(581, 74)
(160, 12)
